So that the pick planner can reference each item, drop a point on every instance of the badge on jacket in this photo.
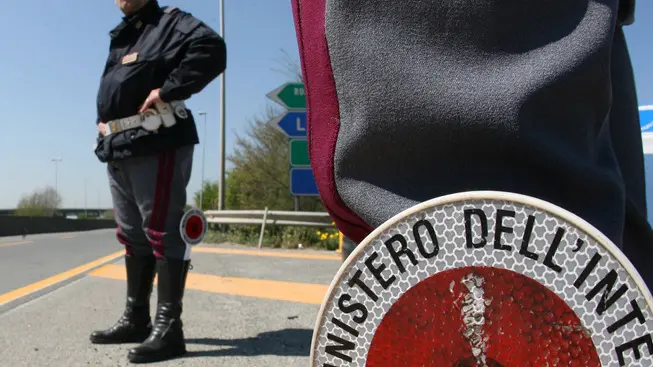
(130, 58)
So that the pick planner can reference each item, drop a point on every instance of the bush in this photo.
(275, 236)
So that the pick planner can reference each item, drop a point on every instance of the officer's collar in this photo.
(138, 18)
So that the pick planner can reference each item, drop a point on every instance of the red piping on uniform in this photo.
(152, 232)
(154, 216)
(161, 201)
(323, 114)
(122, 239)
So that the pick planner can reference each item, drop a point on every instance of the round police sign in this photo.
(485, 279)
(193, 226)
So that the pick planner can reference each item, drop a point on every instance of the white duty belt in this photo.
(151, 120)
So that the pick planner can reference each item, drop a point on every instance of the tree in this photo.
(260, 176)
(261, 166)
(290, 67)
(41, 202)
(208, 195)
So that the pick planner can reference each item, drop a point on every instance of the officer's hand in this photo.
(151, 99)
(101, 128)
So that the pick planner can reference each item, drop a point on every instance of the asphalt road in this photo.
(27, 260)
(243, 307)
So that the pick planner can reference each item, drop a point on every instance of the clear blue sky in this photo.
(53, 53)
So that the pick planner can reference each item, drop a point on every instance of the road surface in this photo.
(243, 306)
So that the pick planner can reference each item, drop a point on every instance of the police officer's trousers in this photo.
(149, 196)
(412, 100)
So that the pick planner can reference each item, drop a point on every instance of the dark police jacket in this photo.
(158, 47)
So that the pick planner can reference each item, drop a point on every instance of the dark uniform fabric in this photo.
(408, 101)
(149, 196)
(148, 171)
(173, 51)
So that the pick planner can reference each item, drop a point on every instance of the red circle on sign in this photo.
(523, 324)
(194, 227)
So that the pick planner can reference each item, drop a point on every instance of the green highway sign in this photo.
(294, 124)
(299, 152)
(290, 95)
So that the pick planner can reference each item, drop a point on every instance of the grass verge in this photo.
(275, 236)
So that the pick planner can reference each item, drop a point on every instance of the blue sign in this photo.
(292, 123)
(302, 182)
(646, 118)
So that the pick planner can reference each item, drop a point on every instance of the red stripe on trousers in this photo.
(122, 239)
(161, 202)
(323, 112)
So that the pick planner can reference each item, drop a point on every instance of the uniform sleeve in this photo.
(205, 59)
(626, 12)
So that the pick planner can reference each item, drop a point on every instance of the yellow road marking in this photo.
(268, 289)
(68, 236)
(21, 292)
(264, 253)
(15, 243)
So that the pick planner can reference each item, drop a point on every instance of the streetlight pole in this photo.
(56, 173)
(85, 201)
(222, 121)
(203, 156)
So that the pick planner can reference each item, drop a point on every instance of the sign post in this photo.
(293, 124)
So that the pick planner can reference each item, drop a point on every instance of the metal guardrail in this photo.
(269, 217)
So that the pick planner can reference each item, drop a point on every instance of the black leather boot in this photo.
(167, 338)
(135, 324)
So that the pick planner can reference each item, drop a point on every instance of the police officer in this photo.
(159, 57)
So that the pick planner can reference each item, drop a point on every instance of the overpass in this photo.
(65, 212)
